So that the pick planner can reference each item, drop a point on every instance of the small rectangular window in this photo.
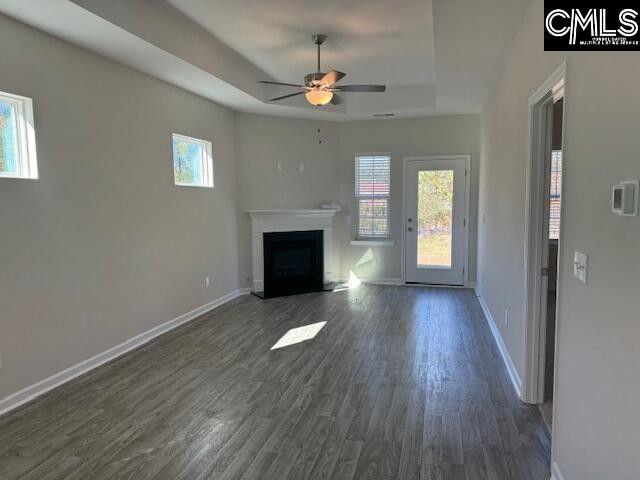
(17, 137)
(192, 162)
(372, 191)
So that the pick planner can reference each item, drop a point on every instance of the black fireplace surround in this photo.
(293, 262)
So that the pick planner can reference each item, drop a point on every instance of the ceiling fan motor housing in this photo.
(319, 38)
(313, 79)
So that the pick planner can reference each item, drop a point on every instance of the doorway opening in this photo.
(553, 206)
(544, 241)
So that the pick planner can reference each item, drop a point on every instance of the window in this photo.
(192, 162)
(555, 194)
(17, 137)
(372, 196)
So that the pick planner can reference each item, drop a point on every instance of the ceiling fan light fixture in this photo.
(318, 97)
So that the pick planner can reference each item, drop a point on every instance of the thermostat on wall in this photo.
(624, 200)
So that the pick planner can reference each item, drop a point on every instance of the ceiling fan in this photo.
(320, 88)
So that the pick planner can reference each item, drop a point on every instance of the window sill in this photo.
(16, 176)
(194, 185)
(373, 243)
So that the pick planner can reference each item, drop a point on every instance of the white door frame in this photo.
(533, 387)
(403, 244)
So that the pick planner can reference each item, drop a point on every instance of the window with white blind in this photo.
(372, 189)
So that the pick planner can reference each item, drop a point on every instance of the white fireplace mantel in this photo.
(289, 220)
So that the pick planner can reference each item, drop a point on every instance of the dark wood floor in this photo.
(402, 382)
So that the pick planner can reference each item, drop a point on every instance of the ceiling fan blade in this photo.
(336, 100)
(332, 77)
(285, 96)
(280, 83)
(360, 88)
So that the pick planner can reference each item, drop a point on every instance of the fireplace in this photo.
(293, 262)
(286, 221)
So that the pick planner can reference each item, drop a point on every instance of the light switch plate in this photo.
(580, 266)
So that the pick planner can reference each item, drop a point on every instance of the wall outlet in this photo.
(207, 282)
(301, 167)
(279, 165)
(506, 318)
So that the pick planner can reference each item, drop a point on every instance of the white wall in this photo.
(329, 174)
(447, 135)
(261, 142)
(596, 417)
(103, 246)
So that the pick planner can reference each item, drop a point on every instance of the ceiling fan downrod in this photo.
(319, 39)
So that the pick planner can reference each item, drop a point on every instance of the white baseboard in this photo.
(511, 368)
(399, 281)
(29, 393)
(376, 280)
(556, 474)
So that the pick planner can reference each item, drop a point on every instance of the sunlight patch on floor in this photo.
(298, 335)
(353, 282)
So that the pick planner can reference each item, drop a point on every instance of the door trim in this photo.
(533, 390)
(403, 243)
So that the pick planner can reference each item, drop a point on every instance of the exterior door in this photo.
(436, 191)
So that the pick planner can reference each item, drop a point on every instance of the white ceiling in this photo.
(368, 40)
(436, 56)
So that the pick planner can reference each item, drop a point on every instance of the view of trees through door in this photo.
(435, 218)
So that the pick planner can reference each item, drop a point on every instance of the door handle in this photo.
(410, 229)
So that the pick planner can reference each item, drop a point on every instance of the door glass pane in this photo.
(435, 218)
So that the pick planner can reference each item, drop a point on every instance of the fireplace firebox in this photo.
(293, 262)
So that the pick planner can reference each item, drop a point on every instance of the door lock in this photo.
(545, 272)
(410, 229)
